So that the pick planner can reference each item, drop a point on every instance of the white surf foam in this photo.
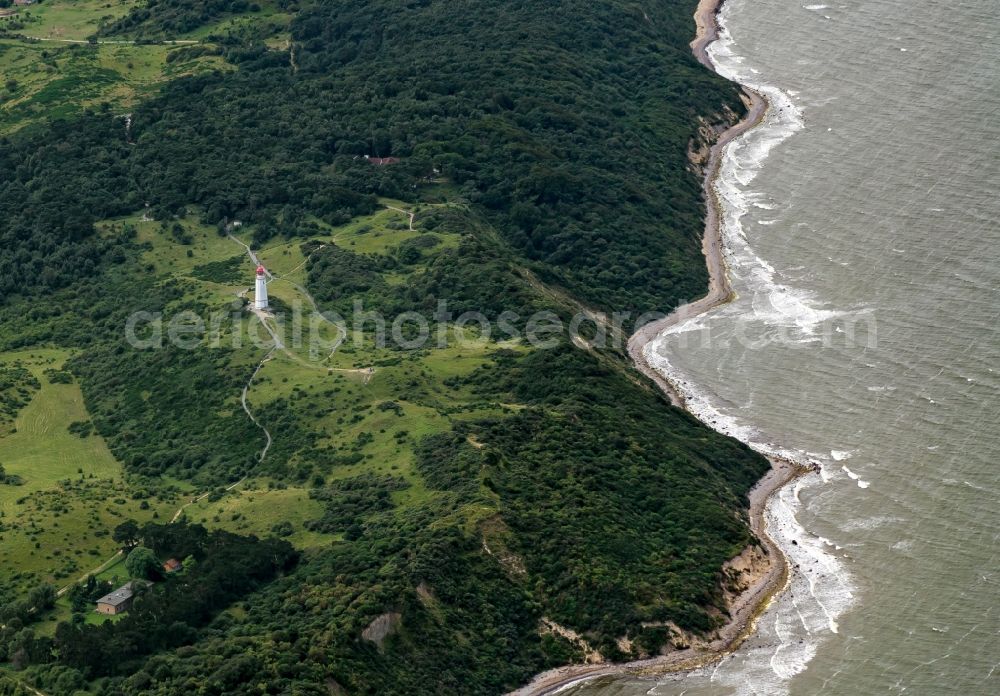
(789, 632)
(820, 588)
(870, 523)
(776, 303)
(855, 477)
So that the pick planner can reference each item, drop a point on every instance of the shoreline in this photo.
(752, 602)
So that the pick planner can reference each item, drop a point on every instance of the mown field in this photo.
(45, 80)
(56, 522)
(374, 402)
(69, 20)
(53, 65)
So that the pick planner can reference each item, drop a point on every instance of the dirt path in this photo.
(116, 42)
(253, 418)
(25, 684)
(182, 508)
(246, 408)
(99, 569)
(367, 372)
(114, 559)
(180, 511)
(284, 276)
(250, 252)
(404, 212)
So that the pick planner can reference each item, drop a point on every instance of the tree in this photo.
(127, 534)
(9, 479)
(42, 598)
(142, 563)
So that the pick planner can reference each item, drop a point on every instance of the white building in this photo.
(260, 295)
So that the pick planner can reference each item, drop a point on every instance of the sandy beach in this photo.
(764, 582)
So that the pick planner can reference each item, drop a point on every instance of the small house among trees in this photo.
(119, 601)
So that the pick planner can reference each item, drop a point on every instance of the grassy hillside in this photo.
(444, 497)
(71, 20)
(63, 488)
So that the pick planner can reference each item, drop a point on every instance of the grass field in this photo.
(80, 20)
(270, 24)
(370, 402)
(50, 70)
(55, 525)
(171, 258)
(380, 415)
(41, 450)
(70, 19)
(49, 80)
(381, 231)
(256, 510)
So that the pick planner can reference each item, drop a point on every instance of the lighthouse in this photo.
(260, 294)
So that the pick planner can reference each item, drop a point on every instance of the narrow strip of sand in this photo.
(751, 603)
(719, 289)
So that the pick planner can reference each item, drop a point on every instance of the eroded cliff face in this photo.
(743, 572)
(709, 129)
(382, 627)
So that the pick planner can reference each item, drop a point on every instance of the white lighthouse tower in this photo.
(260, 294)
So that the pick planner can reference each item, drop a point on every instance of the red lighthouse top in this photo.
(260, 270)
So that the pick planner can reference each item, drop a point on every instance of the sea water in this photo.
(862, 225)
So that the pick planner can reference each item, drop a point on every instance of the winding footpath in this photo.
(246, 408)
(263, 315)
(180, 511)
(99, 569)
(408, 213)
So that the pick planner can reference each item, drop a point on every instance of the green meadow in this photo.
(55, 524)
(372, 404)
(44, 80)
(68, 20)
(257, 509)
(470, 488)
(269, 24)
(52, 66)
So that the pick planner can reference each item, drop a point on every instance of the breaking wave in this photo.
(820, 588)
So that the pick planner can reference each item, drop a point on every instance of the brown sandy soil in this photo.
(760, 572)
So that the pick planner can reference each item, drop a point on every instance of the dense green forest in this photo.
(571, 138)
(544, 145)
